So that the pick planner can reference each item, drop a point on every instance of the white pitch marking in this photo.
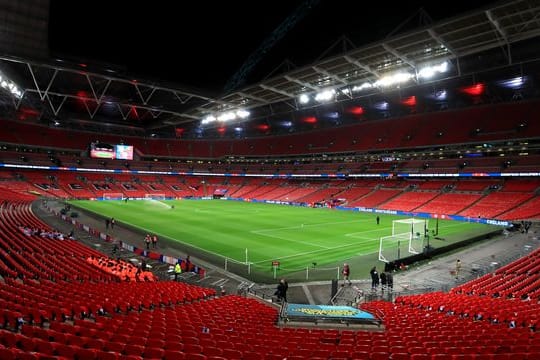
(295, 241)
(306, 225)
(317, 251)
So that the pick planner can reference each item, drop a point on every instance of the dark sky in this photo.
(203, 43)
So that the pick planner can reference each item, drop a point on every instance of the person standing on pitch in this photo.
(346, 272)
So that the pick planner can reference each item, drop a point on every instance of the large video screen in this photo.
(107, 151)
(124, 152)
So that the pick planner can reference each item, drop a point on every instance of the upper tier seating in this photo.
(495, 122)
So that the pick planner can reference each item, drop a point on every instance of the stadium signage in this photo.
(326, 311)
(497, 222)
(270, 176)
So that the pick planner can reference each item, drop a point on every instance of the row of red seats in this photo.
(518, 279)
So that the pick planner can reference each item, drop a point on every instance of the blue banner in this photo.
(327, 311)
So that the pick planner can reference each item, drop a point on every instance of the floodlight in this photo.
(242, 114)
(430, 71)
(440, 95)
(304, 99)
(396, 78)
(325, 95)
(365, 85)
(226, 116)
(514, 83)
(426, 72)
(208, 119)
(381, 105)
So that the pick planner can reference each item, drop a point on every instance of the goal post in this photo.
(416, 230)
(113, 196)
(405, 232)
(390, 246)
(154, 196)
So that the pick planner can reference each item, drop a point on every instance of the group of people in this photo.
(110, 222)
(151, 239)
(385, 279)
(47, 234)
(182, 266)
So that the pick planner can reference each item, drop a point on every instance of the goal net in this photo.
(407, 233)
(113, 196)
(393, 246)
(416, 228)
(154, 196)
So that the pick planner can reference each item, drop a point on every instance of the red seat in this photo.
(197, 357)
(174, 346)
(131, 357)
(86, 354)
(212, 351)
(252, 355)
(45, 347)
(192, 348)
(401, 356)
(66, 351)
(27, 344)
(105, 355)
(114, 347)
(380, 356)
(132, 349)
(154, 353)
(7, 354)
(173, 355)
(232, 354)
(27, 356)
(420, 357)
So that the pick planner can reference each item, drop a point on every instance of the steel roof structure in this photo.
(59, 89)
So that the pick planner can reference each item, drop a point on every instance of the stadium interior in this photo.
(438, 122)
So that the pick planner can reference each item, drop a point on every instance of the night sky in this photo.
(205, 42)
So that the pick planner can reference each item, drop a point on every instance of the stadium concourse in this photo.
(434, 275)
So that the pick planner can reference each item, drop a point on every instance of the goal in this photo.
(390, 247)
(113, 196)
(154, 196)
(409, 233)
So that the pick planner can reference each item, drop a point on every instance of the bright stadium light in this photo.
(209, 119)
(304, 99)
(225, 117)
(286, 123)
(242, 114)
(394, 79)
(429, 71)
(381, 105)
(10, 85)
(440, 95)
(514, 83)
(365, 85)
(325, 95)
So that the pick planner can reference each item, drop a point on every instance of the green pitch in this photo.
(303, 240)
